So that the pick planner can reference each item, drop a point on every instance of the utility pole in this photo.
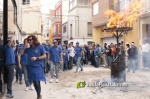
(5, 21)
(5, 34)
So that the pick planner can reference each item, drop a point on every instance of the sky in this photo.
(48, 4)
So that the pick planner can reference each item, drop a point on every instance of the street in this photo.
(138, 86)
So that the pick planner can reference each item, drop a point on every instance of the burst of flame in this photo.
(125, 17)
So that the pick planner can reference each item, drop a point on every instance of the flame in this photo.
(125, 17)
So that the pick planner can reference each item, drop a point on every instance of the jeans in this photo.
(37, 87)
(10, 69)
(145, 59)
(110, 60)
(56, 64)
(1, 69)
(70, 63)
(25, 71)
(65, 64)
(133, 63)
(79, 63)
(97, 60)
(18, 73)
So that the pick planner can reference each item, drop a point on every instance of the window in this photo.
(148, 30)
(54, 29)
(47, 35)
(64, 29)
(24, 2)
(72, 4)
(84, 2)
(59, 28)
(89, 28)
(124, 4)
(95, 8)
(58, 13)
(70, 30)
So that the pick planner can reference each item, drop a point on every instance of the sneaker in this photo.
(10, 96)
(56, 80)
(31, 87)
(27, 88)
(55, 75)
(51, 80)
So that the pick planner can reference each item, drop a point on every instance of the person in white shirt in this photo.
(145, 53)
(71, 56)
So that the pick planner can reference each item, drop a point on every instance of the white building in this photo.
(32, 19)
(45, 27)
(65, 10)
(79, 22)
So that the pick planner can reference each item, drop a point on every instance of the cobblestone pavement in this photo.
(138, 86)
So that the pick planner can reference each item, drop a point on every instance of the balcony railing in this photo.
(146, 7)
(120, 5)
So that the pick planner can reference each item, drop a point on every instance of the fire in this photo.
(125, 17)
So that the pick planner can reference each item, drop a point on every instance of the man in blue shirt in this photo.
(10, 64)
(46, 59)
(55, 58)
(96, 54)
(78, 51)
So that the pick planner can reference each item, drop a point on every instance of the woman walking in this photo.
(36, 55)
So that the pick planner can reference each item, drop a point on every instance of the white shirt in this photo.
(72, 52)
(146, 47)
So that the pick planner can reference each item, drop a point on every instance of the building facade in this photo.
(65, 10)
(79, 22)
(56, 22)
(31, 19)
(14, 19)
(99, 20)
(45, 27)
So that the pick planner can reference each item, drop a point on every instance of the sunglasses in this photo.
(29, 40)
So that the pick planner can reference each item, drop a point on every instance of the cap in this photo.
(54, 41)
(77, 42)
(9, 38)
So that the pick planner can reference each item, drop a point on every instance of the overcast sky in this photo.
(49, 4)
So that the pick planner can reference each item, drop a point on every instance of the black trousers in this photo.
(37, 87)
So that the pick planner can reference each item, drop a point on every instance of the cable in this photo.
(37, 6)
(33, 9)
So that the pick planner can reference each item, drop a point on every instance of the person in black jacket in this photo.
(132, 55)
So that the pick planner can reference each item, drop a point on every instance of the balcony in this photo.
(118, 7)
(56, 20)
(146, 7)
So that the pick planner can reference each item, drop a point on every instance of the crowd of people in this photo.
(36, 60)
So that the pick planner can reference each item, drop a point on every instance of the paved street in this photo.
(138, 86)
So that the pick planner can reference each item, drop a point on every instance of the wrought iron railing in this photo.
(118, 7)
(146, 6)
